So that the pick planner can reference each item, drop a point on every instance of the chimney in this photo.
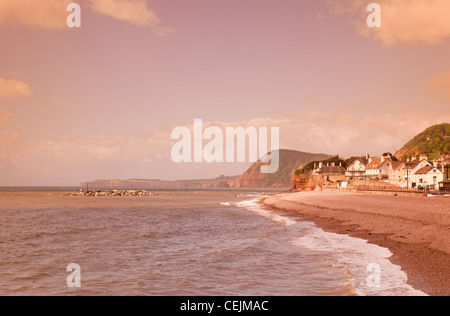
(422, 157)
(413, 158)
(340, 164)
(320, 165)
(435, 164)
(370, 159)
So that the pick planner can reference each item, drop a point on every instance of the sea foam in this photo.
(255, 207)
(354, 256)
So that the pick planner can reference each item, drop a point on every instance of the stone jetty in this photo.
(111, 193)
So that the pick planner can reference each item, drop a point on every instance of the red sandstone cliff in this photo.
(290, 161)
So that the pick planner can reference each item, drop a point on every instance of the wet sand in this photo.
(416, 229)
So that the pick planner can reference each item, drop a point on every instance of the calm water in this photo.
(179, 243)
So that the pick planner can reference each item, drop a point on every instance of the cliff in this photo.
(220, 182)
(307, 182)
(290, 160)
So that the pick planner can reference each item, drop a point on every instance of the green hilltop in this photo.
(433, 142)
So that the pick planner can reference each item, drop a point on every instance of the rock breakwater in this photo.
(111, 193)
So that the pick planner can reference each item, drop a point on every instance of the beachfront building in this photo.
(356, 167)
(445, 158)
(445, 162)
(411, 168)
(397, 173)
(329, 169)
(379, 168)
(332, 171)
(444, 186)
(428, 177)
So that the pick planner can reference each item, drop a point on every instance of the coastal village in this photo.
(421, 165)
(417, 173)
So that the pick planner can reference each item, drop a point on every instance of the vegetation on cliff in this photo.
(433, 142)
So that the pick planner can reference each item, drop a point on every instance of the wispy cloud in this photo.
(12, 88)
(410, 22)
(52, 15)
(46, 14)
(71, 159)
(132, 11)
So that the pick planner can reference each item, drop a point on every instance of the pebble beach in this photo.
(416, 229)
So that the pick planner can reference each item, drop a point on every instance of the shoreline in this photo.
(415, 229)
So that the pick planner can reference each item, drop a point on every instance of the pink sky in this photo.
(101, 101)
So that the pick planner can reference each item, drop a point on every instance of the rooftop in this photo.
(377, 162)
(364, 160)
(332, 170)
(426, 170)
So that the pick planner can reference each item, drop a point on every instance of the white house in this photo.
(428, 176)
(379, 167)
(411, 168)
(356, 167)
(397, 174)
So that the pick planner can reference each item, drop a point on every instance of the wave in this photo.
(255, 207)
(367, 266)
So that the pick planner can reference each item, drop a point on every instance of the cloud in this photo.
(410, 22)
(132, 11)
(52, 14)
(440, 85)
(351, 134)
(47, 14)
(71, 159)
(12, 88)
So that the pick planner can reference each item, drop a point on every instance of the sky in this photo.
(101, 101)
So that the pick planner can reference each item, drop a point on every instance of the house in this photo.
(332, 170)
(379, 168)
(444, 186)
(429, 176)
(328, 170)
(356, 167)
(411, 167)
(397, 173)
(445, 161)
(445, 158)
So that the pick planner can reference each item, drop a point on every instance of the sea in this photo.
(180, 243)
